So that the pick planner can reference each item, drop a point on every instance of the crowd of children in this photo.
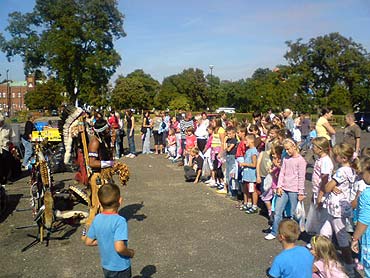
(263, 160)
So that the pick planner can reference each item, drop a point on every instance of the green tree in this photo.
(136, 90)
(48, 94)
(327, 63)
(72, 39)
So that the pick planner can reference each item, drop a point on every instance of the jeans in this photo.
(306, 141)
(118, 143)
(131, 141)
(146, 141)
(27, 151)
(281, 202)
(117, 274)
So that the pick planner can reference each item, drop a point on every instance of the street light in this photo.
(211, 68)
(8, 91)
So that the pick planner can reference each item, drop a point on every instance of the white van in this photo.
(228, 110)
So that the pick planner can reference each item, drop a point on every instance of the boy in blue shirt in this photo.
(294, 261)
(109, 232)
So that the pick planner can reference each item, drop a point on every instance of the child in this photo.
(338, 202)
(290, 184)
(361, 235)
(171, 144)
(239, 158)
(230, 147)
(249, 175)
(208, 157)
(321, 175)
(293, 261)
(326, 261)
(268, 195)
(109, 231)
(193, 171)
(190, 142)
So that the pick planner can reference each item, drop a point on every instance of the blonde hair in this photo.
(290, 141)
(365, 152)
(324, 250)
(194, 151)
(345, 150)
(322, 143)
(289, 229)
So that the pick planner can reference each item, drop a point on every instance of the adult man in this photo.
(26, 140)
(100, 157)
(352, 133)
(6, 135)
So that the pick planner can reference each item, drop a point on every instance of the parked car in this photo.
(228, 110)
(363, 120)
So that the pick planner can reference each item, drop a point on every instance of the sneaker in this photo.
(209, 181)
(222, 191)
(243, 207)
(128, 155)
(251, 210)
(132, 155)
(267, 231)
(270, 237)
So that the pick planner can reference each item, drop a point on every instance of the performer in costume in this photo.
(100, 157)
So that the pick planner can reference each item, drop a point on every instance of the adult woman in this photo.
(130, 124)
(201, 131)
(145, 129)
(323, 127)
(218, 142)
(157, 133)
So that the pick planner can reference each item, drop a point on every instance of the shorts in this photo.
(117, 274)
(338, 225)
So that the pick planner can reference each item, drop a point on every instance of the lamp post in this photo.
(211, 68)
(8, 91)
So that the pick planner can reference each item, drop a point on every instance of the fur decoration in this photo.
(118, 168)
(48, 214)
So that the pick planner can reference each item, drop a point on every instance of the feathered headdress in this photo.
(70, 117)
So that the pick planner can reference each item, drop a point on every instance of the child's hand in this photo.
(354, 246)
(279, 191)
(336, 190)
(258, 180)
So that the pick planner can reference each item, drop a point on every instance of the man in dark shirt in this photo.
(352, 133)
(26, 141)
(193, 171)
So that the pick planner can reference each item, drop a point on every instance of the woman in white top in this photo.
(201, 132)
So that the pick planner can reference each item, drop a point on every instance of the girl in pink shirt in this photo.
(321, 175)
(290, 184)
(326, 263)
(190, 142)
(171, 144)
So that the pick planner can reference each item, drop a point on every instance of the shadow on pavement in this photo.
(12, 201)
(147, 272)
(129, 212)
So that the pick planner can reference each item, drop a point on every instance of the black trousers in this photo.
(5, 158)
(190, 174)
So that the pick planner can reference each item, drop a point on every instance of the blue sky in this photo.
(165, 37)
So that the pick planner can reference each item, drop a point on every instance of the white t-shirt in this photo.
(323, 166)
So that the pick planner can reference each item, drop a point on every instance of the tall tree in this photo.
(48, 94)
(331, 64)
(72, 39)
(136, 90)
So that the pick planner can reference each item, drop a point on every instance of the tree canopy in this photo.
(72, 40)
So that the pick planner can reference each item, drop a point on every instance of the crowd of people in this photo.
(261, 164)
(265, 160)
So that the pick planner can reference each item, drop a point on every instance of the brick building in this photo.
(12, 94)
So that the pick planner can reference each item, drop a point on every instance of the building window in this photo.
(19, 95)
(13, 95)
(4, 95)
